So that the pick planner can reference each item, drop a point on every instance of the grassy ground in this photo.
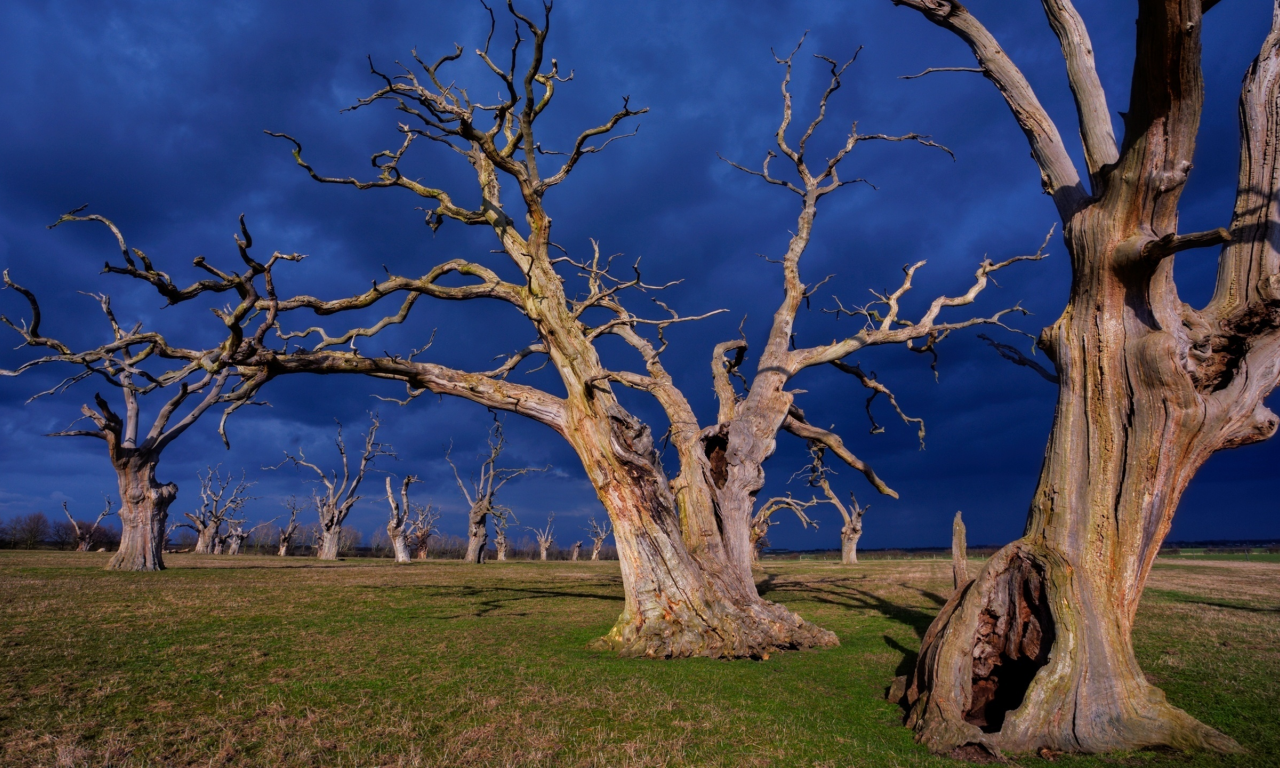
(263, 661)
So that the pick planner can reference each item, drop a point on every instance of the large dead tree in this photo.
(684, 541)
(139, 363)
(236, 535)
(598, 532)
(1037, 650)
(221, 497)
(85, 532)
(340, 493)
(421, 528)
(500, 523)
(484, 489)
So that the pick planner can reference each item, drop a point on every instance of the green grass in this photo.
(263, 661)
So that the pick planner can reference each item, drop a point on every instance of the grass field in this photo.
(286, 662)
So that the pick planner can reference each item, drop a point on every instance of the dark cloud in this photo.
(153, 113)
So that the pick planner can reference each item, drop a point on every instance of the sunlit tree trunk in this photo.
(143, 512)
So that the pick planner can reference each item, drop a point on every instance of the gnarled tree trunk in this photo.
(401, 548)
(143, 512)
(849, 536)
(477, 532)
(1037, 651)
(330, 539)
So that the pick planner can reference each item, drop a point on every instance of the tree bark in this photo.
(204, 540)
(401, 548)
(329, 540)
(595, 551)
(143, 512)
(478, 533)
(849, 536)
(283, 551)
(1037, 651)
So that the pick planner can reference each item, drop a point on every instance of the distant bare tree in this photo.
(959, 554)
(290, 529)
(500, 523)
(340, 493)
(30, 531)
(484, 489)
(85, 533)
(236, 534)
(398, 525)
(219, 500)
(575, 550)
(599, 532)
(546, 537)
(763, 520)
(421, 528)
(817, 472)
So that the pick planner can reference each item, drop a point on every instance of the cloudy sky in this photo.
(153, 114)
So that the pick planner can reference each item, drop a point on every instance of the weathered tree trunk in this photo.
(478, 533)
(595, 551)
(1037, 651)
(401, 547)
(849, 536)
(283, 550)
(205, 538)
(143, 512)
(329, 540)
(233, 545)
(542, 551)
(577, 548)
(500, 543)
(959, 554)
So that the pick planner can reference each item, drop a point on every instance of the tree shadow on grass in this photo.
(839, 592)
(493, 599)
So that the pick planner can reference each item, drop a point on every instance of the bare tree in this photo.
(599, 532)
(84, 532)
(484, 489)
(220, 498)
(545, 536)
(138, 363)
(684, 542)
(575, 550)
(421, 528)
(236, 534)
(290, 529)
(398, 524)
(816, 475)
(763, 520)
(500, 522)
(30, 531)
(340, 494)
(1038, 650)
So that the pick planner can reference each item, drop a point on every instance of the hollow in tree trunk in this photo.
(330, 538)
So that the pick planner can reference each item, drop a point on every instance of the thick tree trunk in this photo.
(542, 552)
(501, 544)
(204, 540)
(329, 539)
(143, 512)
(595, 551)
(401, 547)
(233, 546)
(849, 545)
(677, 603)
(478, 533)
(283, 551)
(1037, 651)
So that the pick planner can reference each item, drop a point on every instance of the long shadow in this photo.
(909, 656)
(834, 592)
(489, 603)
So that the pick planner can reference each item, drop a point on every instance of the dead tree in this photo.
(684, 542)
(575, 551)
(340, 494)
(288, 531)
(421, 528)
(84, 532)
(1149, 388)
(500, 522)
(545, 536)
(599, 532)
(236, 535)
(219, 500)
(398, 524)
(815, 474)
(139, 363)
(763, 520)
(484, 489)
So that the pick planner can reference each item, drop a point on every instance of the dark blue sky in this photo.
(153, 114)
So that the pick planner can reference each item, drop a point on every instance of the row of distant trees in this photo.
(37, 531)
